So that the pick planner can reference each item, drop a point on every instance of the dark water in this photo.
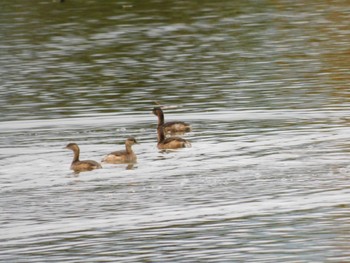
(264, 85)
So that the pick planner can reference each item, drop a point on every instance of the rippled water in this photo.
(264, 85)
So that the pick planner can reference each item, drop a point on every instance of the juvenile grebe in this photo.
(171, 142)
(78, 165)
(127, 156)
(173, 126)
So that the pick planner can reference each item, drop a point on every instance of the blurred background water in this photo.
(264, 85)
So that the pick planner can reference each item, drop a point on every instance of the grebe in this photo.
(173, 126)
(126, 156)
(171, 142)
(78, 165)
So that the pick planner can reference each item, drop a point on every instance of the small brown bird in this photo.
(171, 142)
(126, 156)
(173, 126)
(79, 166)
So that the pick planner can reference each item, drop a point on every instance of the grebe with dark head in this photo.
(79, 166)
(171, 142)
(173, 126)
(126, 156)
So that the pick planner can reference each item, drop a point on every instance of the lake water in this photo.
(265, 86)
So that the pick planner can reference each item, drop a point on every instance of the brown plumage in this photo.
(126, 156)
(173, 126)
(77, 165)
(171, 142)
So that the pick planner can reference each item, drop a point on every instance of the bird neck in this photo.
(160, 133)
(128, 148)
(160, 118)
(76, 155)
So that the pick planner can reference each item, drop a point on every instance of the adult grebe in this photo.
(171, 142)
(173, 126)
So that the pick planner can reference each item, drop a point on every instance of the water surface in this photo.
(264, 85)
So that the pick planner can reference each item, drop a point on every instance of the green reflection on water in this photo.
(61, 59)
